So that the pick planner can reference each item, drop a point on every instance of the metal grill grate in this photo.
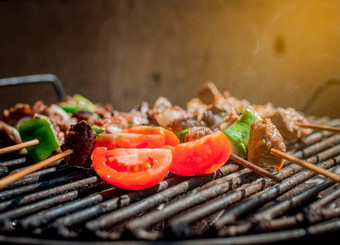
(65, 203)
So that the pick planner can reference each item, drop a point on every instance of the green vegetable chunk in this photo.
(97, 129)
(181, 134)
(80, 103)
(69, 109)
(41, 129)
(84, 103)
(238, 132)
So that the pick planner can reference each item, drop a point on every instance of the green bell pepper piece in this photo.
(97, 129)
(69, 109)
(82, 104)
(181, 134)
(41, 129)
(238, 132)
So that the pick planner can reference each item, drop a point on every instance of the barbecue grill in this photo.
(231, 206)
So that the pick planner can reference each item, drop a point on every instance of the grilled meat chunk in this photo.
(264, 136)
(196, 133)
(178, 125)
(229, 119)
(113, 125)
(81, 139)
(212, 116)
(230, 101)
(139, 115)
(209, 94)
(85, 115)
(163, 112)
(22, 112)
(265, 110)
(8, 135)
(105, 111)
(12, 115)
(285, 121)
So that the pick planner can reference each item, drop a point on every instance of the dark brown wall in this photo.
(124, 52)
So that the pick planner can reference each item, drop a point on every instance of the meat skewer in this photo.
(261, 171)
(80, 133)
(35, 167)
(305, 164)
(166, 113)
(266, 145)
(318, 127)
(196, 133)
(266, 148)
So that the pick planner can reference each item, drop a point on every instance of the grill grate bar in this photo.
(113, 218)
(14, 203)
(265, 220)
(46, 216)
(44, 187)
(86, 186)
(316, 136)
(27, 164)
(139, 224)
(43, 175)
(3, 170)
(231, 215)
(64, 224)
(13, 162)
(327, 199)
(309, 215)
(315, 148)
(181, 225)
(284, 206)
(320, 146)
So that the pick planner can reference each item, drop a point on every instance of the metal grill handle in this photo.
(34, 79)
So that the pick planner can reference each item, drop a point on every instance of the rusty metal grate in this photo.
(233, 204)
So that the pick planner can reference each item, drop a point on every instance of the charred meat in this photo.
(209, 94)
(12, 115)
(196, 133)
(8, 135)
(263, 137)
(178, 125)
(285, 121)
(80, 138)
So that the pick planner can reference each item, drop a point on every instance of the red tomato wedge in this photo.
(132, 169)
(170, 137)
(203, 156)
(130, 140)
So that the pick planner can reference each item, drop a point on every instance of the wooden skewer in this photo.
(18, 146)
(318, 127)
(13, 177)
(305, 164)
(261, 171)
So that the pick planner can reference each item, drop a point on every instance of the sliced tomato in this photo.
(170, 137)
(203, 156)
(130, 140)
(132, 169)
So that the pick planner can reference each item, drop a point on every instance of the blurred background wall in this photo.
(124, 52)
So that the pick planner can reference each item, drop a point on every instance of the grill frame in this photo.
(315, 233)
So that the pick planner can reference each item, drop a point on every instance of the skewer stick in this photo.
(18, 146)
(305, 164)
(261, 171)
(13, 177)
(318, 127)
